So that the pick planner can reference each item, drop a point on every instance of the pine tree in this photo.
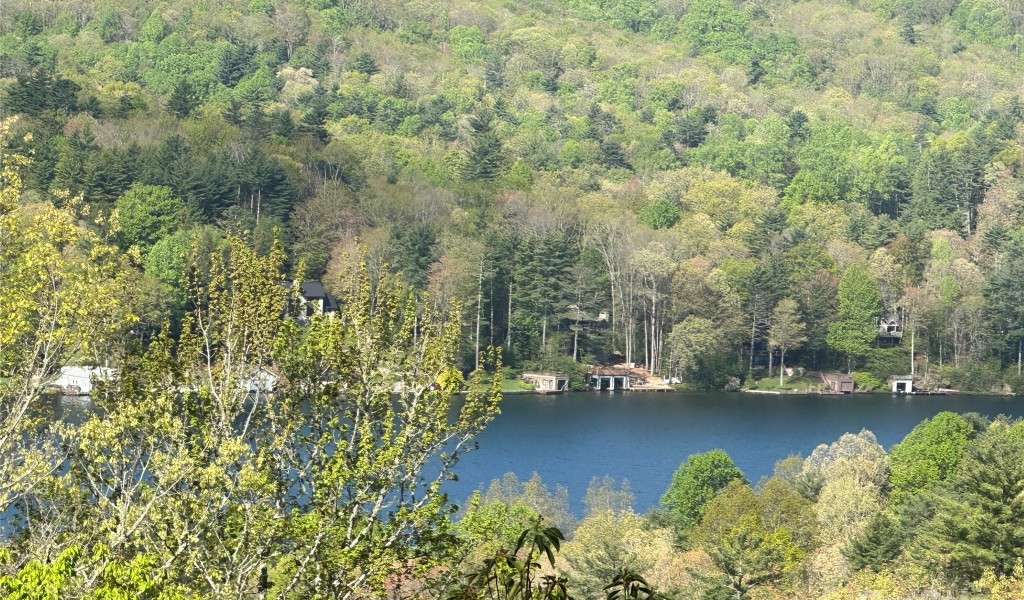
(234, 64)
(183, 99)
(364, 63)
(612, 155)
(878, 545)
(494, 71)
(233, 113)
(482, 161)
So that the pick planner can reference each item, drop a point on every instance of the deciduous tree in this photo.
(786, 331)
(856, 327)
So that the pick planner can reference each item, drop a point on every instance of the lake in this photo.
(643, 437)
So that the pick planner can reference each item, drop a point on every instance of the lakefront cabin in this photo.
(890, 328)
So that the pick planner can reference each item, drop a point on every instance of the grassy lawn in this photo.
(789, 384)
(515, 385)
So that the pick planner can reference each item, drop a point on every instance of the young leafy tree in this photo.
(856, 326)
(691, 341)
(787, 331)
(59, 299)
(695, 483)
(373, 444)
(928, 455)
(748, 549)
(147, 214)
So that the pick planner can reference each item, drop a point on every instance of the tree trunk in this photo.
(782, 365)
(508, 325)
(544, 335)
(771, 358)
(479, 309)
(576, 333)
(912, 331)
(753, 335)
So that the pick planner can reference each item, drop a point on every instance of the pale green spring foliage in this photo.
(186, 484)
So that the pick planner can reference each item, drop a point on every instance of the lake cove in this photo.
(643, 437)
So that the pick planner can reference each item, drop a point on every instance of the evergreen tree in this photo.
(856, 328)
(483, 157)
(77, 165)
(1004, 297)
(542, 280)
(262, 186)
(877, 546)
(978, 522)
(183, 99)
(315, 119)
(233, 113)
(39, 91)
(364, 63)
(235, 63)
(413, 250)
(612, 155)
(494, 71)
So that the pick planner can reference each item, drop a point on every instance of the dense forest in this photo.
(659, 182)
(707, 188)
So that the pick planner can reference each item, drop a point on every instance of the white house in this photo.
(78, 381)
(263, 381)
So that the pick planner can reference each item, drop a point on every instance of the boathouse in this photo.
(614, 378)
(548, 383)
(902, 384)
(837, 383)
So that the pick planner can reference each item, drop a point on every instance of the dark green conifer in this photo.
(364, 63)
(183, 99)
(878, 545)
(482, 160)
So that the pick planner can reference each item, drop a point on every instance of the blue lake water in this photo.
(643, 437)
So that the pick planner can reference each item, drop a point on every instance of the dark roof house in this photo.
(313, 292)
(313, 300)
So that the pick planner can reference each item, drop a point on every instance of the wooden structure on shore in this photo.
(614, 378)
(611, 378)
(837, 383)
(548, 383)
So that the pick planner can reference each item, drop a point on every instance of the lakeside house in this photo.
(80, 380)
(263, 380)
(315, 300)
(890, 328)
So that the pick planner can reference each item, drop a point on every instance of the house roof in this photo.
(88, 372)
(314, 290)
(838, 377)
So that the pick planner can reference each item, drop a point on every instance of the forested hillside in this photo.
(719, 177)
